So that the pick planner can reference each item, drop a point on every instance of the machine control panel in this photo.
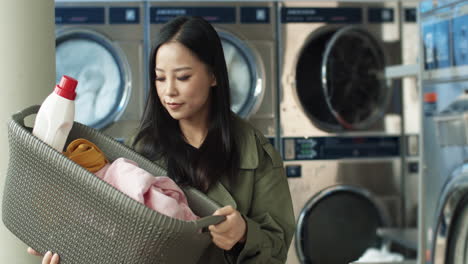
(460, 37)
(345, 15)
(97, 15)
(445, 42)
(326, 148)
(79, 15)
(436, 40)
(218, 15)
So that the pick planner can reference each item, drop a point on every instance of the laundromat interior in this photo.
(366, 101)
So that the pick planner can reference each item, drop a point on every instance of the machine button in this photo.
(413, 167)
(130, 14)
(293, 171)
(261, 14)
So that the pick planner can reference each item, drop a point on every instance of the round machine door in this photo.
(342, 219)
(102, 72)
(451, 241)
(245, 75)
(339, 79)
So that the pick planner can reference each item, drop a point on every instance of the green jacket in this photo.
(262, 197)
(261, 194)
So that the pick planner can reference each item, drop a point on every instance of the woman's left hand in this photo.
(232, 230)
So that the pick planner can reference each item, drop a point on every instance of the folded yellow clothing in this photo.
(86, 154)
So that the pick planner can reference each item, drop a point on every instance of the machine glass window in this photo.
(352, 78)
(458, 239)
(100, 86)
(240, 77)
(339, 78)
(333, 220)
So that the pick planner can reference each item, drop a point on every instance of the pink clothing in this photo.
(159, 193)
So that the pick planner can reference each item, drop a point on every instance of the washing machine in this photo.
(444, 181)
(101, 44)
(248, 34)
(340, 125)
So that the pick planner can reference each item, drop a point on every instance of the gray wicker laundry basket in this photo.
(51, 203)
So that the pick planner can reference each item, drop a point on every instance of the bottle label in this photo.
(429, 109)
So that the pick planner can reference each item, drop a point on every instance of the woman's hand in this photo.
(48, 258)
(232, 230)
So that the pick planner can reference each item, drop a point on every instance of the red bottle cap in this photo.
(430, 97)
(66, 87)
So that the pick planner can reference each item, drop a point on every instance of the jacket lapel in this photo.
(220, 194)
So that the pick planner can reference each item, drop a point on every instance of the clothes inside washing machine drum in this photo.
(339, 79)
(337, 226)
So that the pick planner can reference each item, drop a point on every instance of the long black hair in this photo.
(160, 137)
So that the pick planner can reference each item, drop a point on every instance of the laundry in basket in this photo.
(159, 193)
(51, 203)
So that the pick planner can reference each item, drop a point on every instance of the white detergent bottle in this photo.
(55, 117)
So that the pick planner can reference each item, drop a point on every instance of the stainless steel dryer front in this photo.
(340, 125)
(248, 33)
(101, 45)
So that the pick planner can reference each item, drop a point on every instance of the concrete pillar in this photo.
(27, 76)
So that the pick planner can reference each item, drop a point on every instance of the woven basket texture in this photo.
(51, 203)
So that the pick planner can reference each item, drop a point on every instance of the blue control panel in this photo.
(428, 43)
(79, 15)
(380, 15)
(124, 15)
(460, 36)
(426, 6)
(326, 148)
(255, 15)
(445, 39)
(436, 42)
(345, 15)
(442, 44)
(225, 15)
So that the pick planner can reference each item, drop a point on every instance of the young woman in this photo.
(189, 129)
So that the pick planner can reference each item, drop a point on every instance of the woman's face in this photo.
(183, 82)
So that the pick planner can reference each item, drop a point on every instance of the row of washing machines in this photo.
(309, 74)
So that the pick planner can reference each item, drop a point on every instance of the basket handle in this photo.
(21, 115)
(204, 222)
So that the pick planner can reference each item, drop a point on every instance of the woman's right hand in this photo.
(48, 258)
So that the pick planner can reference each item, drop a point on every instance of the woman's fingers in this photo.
(222, 241)
(222, 227)
(33, 252)
(232, 230)
(224, 210)
(47, 258)
(50, 258)
(55, 259)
